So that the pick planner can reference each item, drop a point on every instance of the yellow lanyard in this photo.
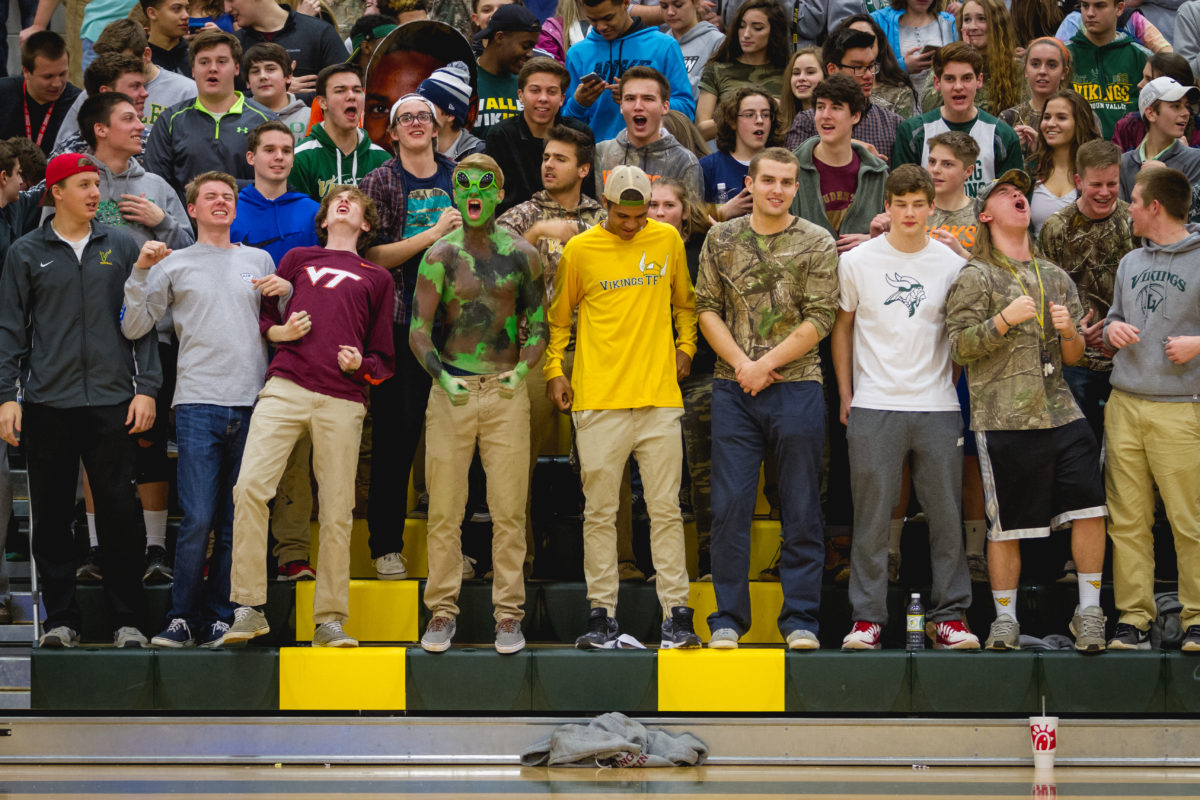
(1040, 314)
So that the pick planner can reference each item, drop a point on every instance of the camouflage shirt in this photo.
(962, 223)
(521, 217)
(1090, 251)
(1009, 388)
(764, 287)
(455, 13)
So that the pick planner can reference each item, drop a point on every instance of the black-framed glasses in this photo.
(409, 119)
(858, 71)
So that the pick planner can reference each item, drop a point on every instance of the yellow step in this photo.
(335, 679)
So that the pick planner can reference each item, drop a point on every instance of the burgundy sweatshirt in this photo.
(350, 302)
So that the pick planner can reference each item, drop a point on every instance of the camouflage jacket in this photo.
(764, 287)
(1090, 251)
(455, 13)
(1009, 388)
(540, 207)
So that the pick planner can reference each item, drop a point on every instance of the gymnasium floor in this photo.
(717, 782)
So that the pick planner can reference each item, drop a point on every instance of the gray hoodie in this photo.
(295, 115)
(698, 45)
(664, 156)
(175, 229)
(1177, 156)
(1157, 290)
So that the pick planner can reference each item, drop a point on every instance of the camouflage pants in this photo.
(697, 445)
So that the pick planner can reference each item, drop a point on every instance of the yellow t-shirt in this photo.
(627, 293)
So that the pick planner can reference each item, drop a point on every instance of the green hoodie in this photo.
(1107, 76)
(320, 165)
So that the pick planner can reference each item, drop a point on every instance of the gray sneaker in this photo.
(330, 634)
(438, 634)
(803, 640)
(391, 567)
(129, 636)
(723, 639)
(58, 638)
(1005, 634)
(1087, 626)
(248, 623)
(509, 638)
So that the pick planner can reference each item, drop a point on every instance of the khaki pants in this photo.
(605, 439)
(284, 413)
(501, 428)
(1148, 443)
(293, 506)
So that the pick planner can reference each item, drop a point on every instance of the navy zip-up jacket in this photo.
(60, 323)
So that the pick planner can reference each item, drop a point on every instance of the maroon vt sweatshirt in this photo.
(350, 302)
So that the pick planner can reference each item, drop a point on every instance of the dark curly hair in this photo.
(726, 118)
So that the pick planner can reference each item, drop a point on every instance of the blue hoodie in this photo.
(639, 46)
(275, 225)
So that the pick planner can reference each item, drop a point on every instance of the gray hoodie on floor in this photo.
(665, 156)
(698, 45)
(1157, 290)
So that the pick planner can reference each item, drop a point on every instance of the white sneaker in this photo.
(802, 640)
(468, 567)
(391, 567)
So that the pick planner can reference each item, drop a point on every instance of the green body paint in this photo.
(483, 279)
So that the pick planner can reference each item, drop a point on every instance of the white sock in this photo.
(976, 536)
(91, 521)
(895, 529)
(1089, 589)
(1005, 602)
(156, 527)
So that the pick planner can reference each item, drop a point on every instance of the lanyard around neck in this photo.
(29, 125)
(1040, 314)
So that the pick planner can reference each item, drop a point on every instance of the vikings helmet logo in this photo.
(909, 291)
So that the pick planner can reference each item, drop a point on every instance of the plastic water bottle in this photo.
(723, 194)
(916, 623)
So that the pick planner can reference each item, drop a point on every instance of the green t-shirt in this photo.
(497, 101)
(725, 78)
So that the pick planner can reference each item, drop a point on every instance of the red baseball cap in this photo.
(64, 166)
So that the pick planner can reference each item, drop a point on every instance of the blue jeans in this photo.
(787, 419)
(1091, 390)
(211, 439)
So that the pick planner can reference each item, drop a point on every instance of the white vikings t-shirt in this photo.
(901, 354)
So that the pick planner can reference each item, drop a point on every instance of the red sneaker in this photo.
(863, 636)
(297, 571)
(954, 635)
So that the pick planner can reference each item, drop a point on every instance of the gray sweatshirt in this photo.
(207, 290)
(175, 229)
(1157, 291)
(665, 156)
(698, 45)
(1178, 156)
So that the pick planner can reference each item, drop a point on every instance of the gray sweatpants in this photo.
(878, 443)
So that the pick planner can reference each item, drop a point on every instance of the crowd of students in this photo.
(862, 249)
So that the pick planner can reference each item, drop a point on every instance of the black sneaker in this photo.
(1191, 640)
(1129, 637)
(158, 571)
(677, 630)
(602, 631)
(89, 570)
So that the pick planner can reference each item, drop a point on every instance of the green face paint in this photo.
(476, 195)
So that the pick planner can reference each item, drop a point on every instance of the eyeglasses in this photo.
(860, 71)
(409, 119)
(754, 114)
